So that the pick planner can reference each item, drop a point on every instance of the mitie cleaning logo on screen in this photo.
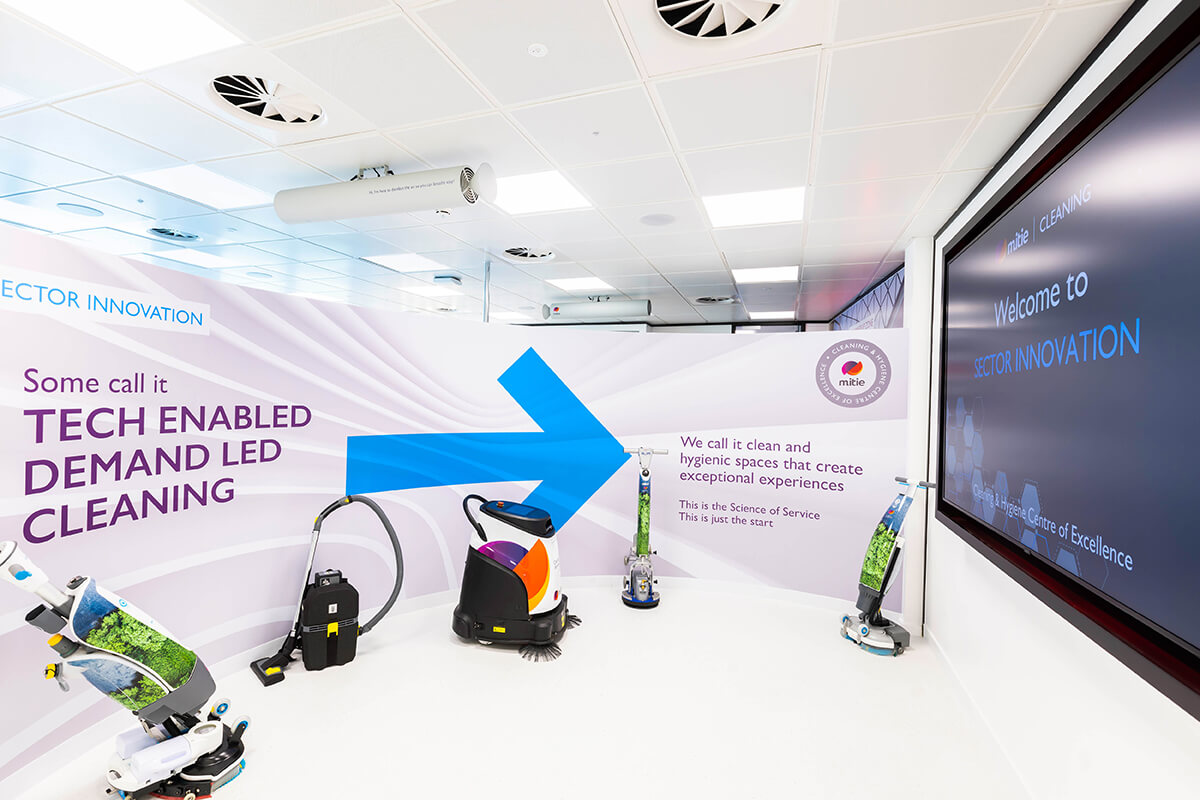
(1045, 222)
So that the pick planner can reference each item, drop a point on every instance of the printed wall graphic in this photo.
(882, 307)
(158, 459)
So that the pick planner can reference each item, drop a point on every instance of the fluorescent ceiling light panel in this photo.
(431, 291)
(198, 258)
(138, 34)
(755, 208)
(536, 192)
(406, 262)
(771, 315)
(10, 98)
(203, 186)
(580, 284)
(766, 275)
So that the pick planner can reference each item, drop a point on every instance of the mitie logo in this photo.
(851, 369)
(1019, 240)
(853, 373)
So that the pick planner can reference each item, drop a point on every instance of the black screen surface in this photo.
(1072, 376)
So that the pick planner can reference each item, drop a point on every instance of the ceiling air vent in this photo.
(527, 255)
(715, 19)
(266, 100)
(174, 234)
(722, 300)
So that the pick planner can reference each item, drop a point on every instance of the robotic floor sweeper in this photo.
(122, 652)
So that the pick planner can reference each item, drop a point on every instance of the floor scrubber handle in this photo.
(470, 517)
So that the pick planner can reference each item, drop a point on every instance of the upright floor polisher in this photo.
(638, 590)
(178, 751)
(512, 582)
(326, 630)
(869, 629)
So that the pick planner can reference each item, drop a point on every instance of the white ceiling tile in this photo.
(69, 137)
(823, 300)
(550, 270)
(823, 233)
(306, 272)
(466, 261)
(873, 84)
(268, 19)
(120, 242)
(755, 259)
(650, 180)
(42, 66)
(192, 81)
(267, 218)
(11, 184)
(694, 243)
(718, 314)
(299, 250)
(714, 280)
(1061, 46)
(890, 152)
(41, 167)
(387, 71)
(358, 245)
(769, 296)
(224, 229)
(356, 268)
(862, 18)
(637, 285)
(489, 138)
(569, 226)
(418, 239)
(600, 250)
(494, 234)
(742, 104)
(344, 156)
(662, 50)
(346, 283)
(584, 48)
(153, 117)
(610, 126)
(442, 216)
(619, 266)
(991, 139)
(952, 188)
(927, 223)
(845, 253)
(241, 255)
(750, 168)
(268, 172)
(48, 200)
(686, 214)
(669, 265)
(898, 196)
(831, 272)
(137, 197)
(761, 237)
(380, 222)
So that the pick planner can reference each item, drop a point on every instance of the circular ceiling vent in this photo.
(715, 19)
(721, 300)
(266, 100)
(527, 255)
(174, 234)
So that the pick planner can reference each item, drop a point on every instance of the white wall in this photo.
(1074, 721)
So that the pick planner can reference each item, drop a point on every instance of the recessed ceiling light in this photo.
(203, 186)
(755, 208)
(405, 262)
(538, 50)
(432, 291)
(198, 258)
(766, 275)
(10, 98)
(536, 192)
(767, 315)
(80, 210)
(44, 219)
(580, 284)
(117, 29)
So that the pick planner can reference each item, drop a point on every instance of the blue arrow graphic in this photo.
(573, 454)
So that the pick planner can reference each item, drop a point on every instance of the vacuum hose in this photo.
(391, 532)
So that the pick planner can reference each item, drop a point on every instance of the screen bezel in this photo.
(1167, 662)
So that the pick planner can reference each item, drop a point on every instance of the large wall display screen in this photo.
(1071, 379)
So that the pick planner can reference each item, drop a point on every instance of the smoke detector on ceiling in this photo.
(174, 234)
(527, 255)
(715, 19)
(266, 101)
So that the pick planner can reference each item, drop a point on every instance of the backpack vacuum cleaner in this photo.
(129, 657)
(326, 628)
(869, 629)
(511, 587)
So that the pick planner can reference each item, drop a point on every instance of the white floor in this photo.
(722, 691)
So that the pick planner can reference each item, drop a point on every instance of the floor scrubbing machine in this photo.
(869, 629)
(511, 588)
(178, 751)
(638, 590)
